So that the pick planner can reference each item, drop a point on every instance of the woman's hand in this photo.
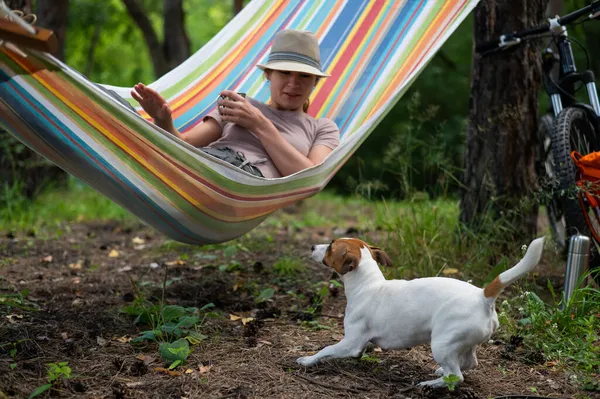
(153, 103)
(238, 110)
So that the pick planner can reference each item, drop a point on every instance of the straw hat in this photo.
(295, 50)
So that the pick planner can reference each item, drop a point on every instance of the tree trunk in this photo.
(176, 47)
(21, 169)
(52, 14)
(499, 176)
(237, 6)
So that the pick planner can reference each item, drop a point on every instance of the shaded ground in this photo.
(79, 284)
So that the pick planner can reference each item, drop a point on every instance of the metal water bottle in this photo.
(577, 263)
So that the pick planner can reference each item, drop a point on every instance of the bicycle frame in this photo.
(561, 93)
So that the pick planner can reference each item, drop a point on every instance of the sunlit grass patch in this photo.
(55, 207)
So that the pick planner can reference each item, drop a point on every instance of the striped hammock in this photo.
(373, 50)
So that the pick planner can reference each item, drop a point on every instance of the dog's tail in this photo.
(530, 260)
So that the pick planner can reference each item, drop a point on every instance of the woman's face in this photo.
(289, 90)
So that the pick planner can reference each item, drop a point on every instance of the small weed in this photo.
(451, 381)
(265, 295)
(175, 327)
(233, 266)
(314, 325)
(289, 266)
(367, 358)
(56, 374)
(569, 334)
(17, 300)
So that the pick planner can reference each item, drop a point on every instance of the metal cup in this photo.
(578, 259)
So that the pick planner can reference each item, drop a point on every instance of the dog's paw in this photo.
(439, 372)
(306, 361)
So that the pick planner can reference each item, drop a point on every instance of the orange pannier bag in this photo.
(588, 178)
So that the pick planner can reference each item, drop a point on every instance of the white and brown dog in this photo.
(452, 315)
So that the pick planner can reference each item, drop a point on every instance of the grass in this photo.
(423, 238)
(567, 336)
(53, 209)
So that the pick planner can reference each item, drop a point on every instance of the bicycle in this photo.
(574, 127)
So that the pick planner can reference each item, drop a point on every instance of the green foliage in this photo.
(105, 44)
(174, 327)
(289, 266)
(50, 211)
(567, 333)
(56, 374)
(265, 295)
(451, 381)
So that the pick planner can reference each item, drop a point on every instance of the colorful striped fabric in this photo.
(373, 49)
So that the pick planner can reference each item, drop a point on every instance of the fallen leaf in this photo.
(138, 240)
(234, 317)
(64, 335)
(246, 320)
(76, 280)
(189, 371)
(123, 339)
(175, 262)
(139, 247)
(237, 285)
(113, 254)
(449, 270)
(378, 349)
(77, 302)
(75, 266)
(47, 259)
(101, 341)
(204, 369)
(124, 269)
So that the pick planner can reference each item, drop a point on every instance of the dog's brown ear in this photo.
(381, 257)
(350, 263)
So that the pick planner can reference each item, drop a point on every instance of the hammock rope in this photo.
(373, 50)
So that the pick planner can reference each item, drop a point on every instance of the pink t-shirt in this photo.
(301, 130)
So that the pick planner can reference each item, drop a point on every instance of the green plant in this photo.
(451, 381)
(174, 327)
(289, 266)
(56, 374)
(265, 295)
(17, 300)
(566, 334)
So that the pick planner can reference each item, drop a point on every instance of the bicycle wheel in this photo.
(573, 131)
(547, 177)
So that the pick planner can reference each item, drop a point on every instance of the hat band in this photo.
(295, 57)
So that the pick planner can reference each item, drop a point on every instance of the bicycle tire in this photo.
(545, 170)
(573, 131)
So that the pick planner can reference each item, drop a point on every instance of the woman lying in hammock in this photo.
(267, 140)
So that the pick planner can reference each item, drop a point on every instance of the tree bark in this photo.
(499, 176)
(52, 14)
(237, 6)
(138, 14)
(176, 47)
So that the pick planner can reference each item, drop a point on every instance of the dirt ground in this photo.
(79, 282)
